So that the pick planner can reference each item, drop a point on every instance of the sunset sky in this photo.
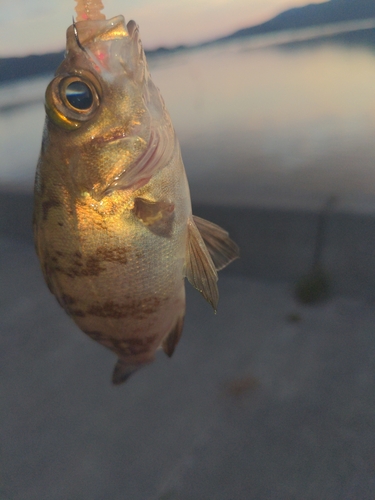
(39, 26)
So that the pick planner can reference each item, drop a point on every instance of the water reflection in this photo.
(266, 125)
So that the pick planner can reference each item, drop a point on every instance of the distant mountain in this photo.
(14, 68)
(333, 11)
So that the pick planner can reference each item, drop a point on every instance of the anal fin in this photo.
(171, 340)
(221, 248)
(199, 268)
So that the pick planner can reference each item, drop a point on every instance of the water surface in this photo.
(256, 125)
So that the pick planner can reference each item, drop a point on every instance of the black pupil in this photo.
(79, 95)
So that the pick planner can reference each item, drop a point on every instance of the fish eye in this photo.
(79, 95)
(73, 99)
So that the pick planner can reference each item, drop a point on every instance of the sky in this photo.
(38, 26)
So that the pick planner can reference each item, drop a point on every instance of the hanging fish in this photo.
(113, 225)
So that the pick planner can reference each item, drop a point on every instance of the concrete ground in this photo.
(267, 400)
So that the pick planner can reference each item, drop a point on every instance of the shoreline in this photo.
(276, 243)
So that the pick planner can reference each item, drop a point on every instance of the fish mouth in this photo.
(93, 30)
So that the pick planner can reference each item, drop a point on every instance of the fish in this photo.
(113, 224)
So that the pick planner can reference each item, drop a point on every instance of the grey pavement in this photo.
(267, 400)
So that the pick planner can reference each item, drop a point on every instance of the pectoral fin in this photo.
(199, 268)
(158, 216)
(221, 248)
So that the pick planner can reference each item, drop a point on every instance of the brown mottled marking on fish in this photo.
(47, 205)
(61, 270)
(134, 346)
(47, 274)
(78, 268)
(137, 349)
(100, 224)
(100, 337)
(123, 351)
(90, 268)
(68, 300)
(42, 184)
(138, 309)
(95, 334)
(140, 341)
(116, 254)
(77, 312)
(60, 224)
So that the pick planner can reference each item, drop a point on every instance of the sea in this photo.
(269, 121)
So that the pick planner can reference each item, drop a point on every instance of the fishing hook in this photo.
(76, 36)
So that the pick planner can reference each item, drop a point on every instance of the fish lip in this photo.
(111, 136)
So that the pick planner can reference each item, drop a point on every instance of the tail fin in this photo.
(122, 372)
